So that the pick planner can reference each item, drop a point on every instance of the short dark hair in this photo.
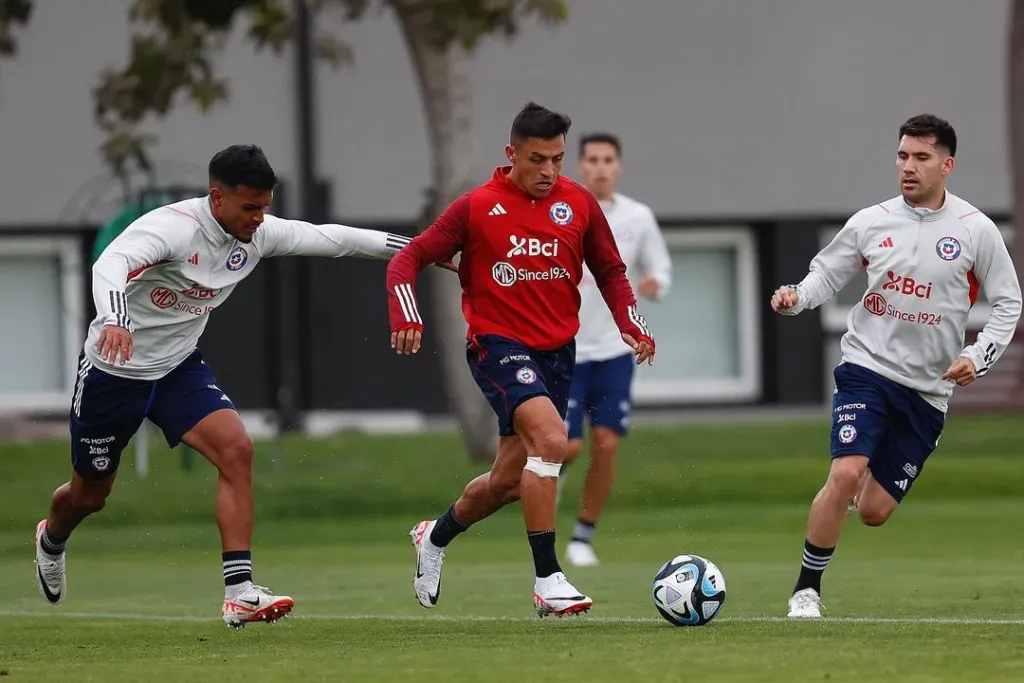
(606, 138)
(926, 125)
(535, 121)
(243, 165)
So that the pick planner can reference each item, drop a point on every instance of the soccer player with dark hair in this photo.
(928, 254)
(524, 237)
(155, 287)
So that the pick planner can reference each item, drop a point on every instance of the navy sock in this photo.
(447, 528)
(812, 566)
(237, 567)
(545, 559)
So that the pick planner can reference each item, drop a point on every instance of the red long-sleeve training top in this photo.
(522, 260)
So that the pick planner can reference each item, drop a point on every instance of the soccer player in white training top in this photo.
(602, 381)
(155, 287)
(927, 254)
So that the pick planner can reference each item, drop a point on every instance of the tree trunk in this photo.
(445, 95)
(1015, 98)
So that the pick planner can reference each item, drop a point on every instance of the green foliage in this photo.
(12, 12)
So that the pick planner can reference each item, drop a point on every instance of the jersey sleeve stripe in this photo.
(408, 302)
(397, 242)
(638, 320)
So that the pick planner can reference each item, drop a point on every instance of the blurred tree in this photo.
(1015, 98)
(173, 46)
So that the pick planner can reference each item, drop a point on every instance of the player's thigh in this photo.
(185, 398)
(540, 419)
(875, 503)
(911, 439)
(610, 394)
(106, 411)
(576, 409)
(860, 413)
(508, 374)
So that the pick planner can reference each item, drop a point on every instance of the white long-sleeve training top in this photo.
(925, 270)
(643, 250)
(163, 276)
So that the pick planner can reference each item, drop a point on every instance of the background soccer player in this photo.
(602, 381)
(927, 253)
(155, 286)
(524, 237)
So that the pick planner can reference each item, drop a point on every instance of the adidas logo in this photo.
(498, 210)
(902, 483)
(886, 243)
(194, 259)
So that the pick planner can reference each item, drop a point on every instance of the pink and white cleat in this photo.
(555, 595)
(255, 604)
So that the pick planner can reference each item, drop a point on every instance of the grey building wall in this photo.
(726, 107)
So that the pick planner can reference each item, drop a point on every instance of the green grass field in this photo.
(936, 595)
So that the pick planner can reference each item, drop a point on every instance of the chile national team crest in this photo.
(948, 248)
(561, 213)
(238, 258)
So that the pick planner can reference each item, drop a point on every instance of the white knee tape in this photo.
(543, 469)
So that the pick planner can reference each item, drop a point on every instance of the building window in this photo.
(707, 327)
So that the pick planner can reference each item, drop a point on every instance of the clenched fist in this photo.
(784, 298)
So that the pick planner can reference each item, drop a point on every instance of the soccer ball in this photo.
(689, 590)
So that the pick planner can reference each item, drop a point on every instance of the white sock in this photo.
(232, 592)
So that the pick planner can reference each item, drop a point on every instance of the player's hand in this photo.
(115, 341)
(648, 288)
(644, 348)
(962, 371)
(784, 298)
(406, 342)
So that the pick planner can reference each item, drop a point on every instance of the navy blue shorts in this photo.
(601, 392)
(885, 421)
(106, 411)
(509, 373)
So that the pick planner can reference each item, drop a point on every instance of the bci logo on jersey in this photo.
(531, 246)
(908, 286)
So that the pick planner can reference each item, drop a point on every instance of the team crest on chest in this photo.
(948, 248)
(238, 258)
(561, 213)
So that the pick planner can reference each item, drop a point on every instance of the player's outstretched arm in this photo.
(287, 237)
(830, 271)
(998, 278)
(150, 241)
(602, 257)
(439, 243)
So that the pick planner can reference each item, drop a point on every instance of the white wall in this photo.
(730, 107)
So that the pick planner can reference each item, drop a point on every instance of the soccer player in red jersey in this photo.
(524, 236)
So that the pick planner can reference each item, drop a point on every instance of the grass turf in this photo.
(918, 599)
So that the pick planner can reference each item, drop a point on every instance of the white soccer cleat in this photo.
(580, 554)
(51, 578)
(429, 558)
(805, 604)
(255, 604)
(555, 595)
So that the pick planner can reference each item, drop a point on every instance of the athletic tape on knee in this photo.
(543, 469)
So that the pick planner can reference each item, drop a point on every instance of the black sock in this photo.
(814, 562)
(237, 567)
(545, 559)
(52, 544)
(447, 528)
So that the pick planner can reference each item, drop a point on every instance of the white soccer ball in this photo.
(689, 590)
